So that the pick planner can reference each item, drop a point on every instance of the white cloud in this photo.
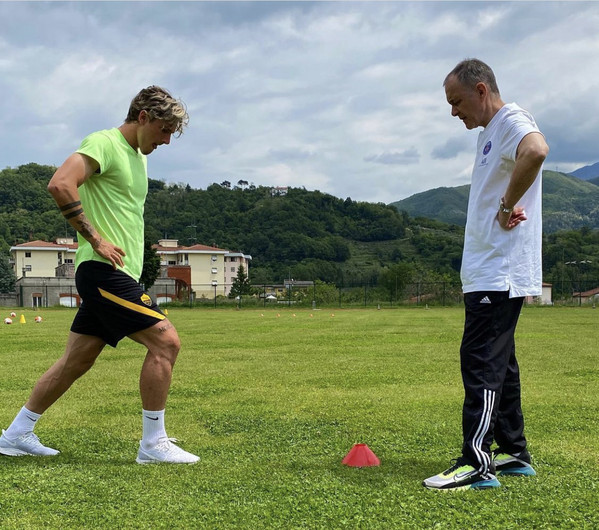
(345, 97)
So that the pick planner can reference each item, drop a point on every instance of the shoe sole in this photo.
(17, 452)
(13, 452)
(144, 461)
(481, 485)
(518, 471)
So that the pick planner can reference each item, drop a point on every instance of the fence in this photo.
(416, 294)
(564, 293)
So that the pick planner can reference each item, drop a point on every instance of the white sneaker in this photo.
(165, 451)
(26, 444)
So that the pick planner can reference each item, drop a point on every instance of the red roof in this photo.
(45, 244)
(203, 248)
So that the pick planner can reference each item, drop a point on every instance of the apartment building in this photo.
(45, 272)
(208, 270)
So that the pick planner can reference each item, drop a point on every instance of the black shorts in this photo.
(113, 304)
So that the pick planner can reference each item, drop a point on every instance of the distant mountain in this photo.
(448, 205)
(587, 172)
(594, 181)
(568, 203)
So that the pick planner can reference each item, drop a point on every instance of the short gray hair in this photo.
(470, 72)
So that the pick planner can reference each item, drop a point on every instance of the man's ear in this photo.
(481, 88)
(143, 117)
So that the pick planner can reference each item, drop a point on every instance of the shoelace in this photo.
(31, 438)
(166, 444)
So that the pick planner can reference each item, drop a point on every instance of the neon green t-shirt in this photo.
(113, 199)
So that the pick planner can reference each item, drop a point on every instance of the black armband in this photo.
(74, 214)
(69, 206)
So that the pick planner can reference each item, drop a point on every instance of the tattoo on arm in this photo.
(85, 228)
(69, 206)
(74, 213)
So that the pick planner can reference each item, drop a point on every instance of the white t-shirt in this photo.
(495, 259)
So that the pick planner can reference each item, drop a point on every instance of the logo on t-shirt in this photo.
(486, 151)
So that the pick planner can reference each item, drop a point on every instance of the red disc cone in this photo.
(361, 455)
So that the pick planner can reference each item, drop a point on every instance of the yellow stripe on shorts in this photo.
(131, 305)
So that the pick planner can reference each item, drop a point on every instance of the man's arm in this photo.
(530, 156)
(63, 186)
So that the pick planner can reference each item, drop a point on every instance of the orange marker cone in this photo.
(360, 455)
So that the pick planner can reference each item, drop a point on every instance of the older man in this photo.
(501, 265)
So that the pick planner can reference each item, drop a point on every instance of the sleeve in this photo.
(518, 125)
(97, 146)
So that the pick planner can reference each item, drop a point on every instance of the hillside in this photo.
(311, 235)
(568, 203)
(308, 234)
(587, 172)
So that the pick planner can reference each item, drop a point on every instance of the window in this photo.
(27, 268)
(214, 258)
(27, 254)
(36, 300)
(214, 270)
(172, 262)
(68, 301)
(233, 259)
(68, 260)
(233, 269)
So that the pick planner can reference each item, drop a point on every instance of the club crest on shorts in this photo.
(146, 299)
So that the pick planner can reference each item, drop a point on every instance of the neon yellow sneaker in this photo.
(461, 476)
(507, 464)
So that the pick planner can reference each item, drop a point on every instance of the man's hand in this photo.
(109, 251)
(509, 220)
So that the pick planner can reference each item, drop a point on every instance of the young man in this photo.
(501, 265)
(101, 190)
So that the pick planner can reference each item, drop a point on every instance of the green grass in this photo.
(273, 403)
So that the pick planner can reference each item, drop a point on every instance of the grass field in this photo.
(273, 403)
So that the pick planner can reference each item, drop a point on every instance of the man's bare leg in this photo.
(162, 341)
(80, 354)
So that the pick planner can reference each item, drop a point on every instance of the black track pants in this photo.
(491, 377)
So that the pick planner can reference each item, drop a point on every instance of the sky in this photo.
(343, 97)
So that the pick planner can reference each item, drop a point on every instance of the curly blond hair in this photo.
(160, 105)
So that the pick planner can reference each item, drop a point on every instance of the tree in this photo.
(7, 276)
(395, 279)
(151, 268)
(241, 284)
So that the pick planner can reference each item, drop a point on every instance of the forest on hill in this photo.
(568, 203)
(305, 235)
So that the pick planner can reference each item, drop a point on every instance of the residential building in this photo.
(545, 298)
(208, 271)
(279, 191)
(41, 259)
(45, 272)
(584, 297)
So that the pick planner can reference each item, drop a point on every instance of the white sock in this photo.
(153, 427)
(23, 423)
